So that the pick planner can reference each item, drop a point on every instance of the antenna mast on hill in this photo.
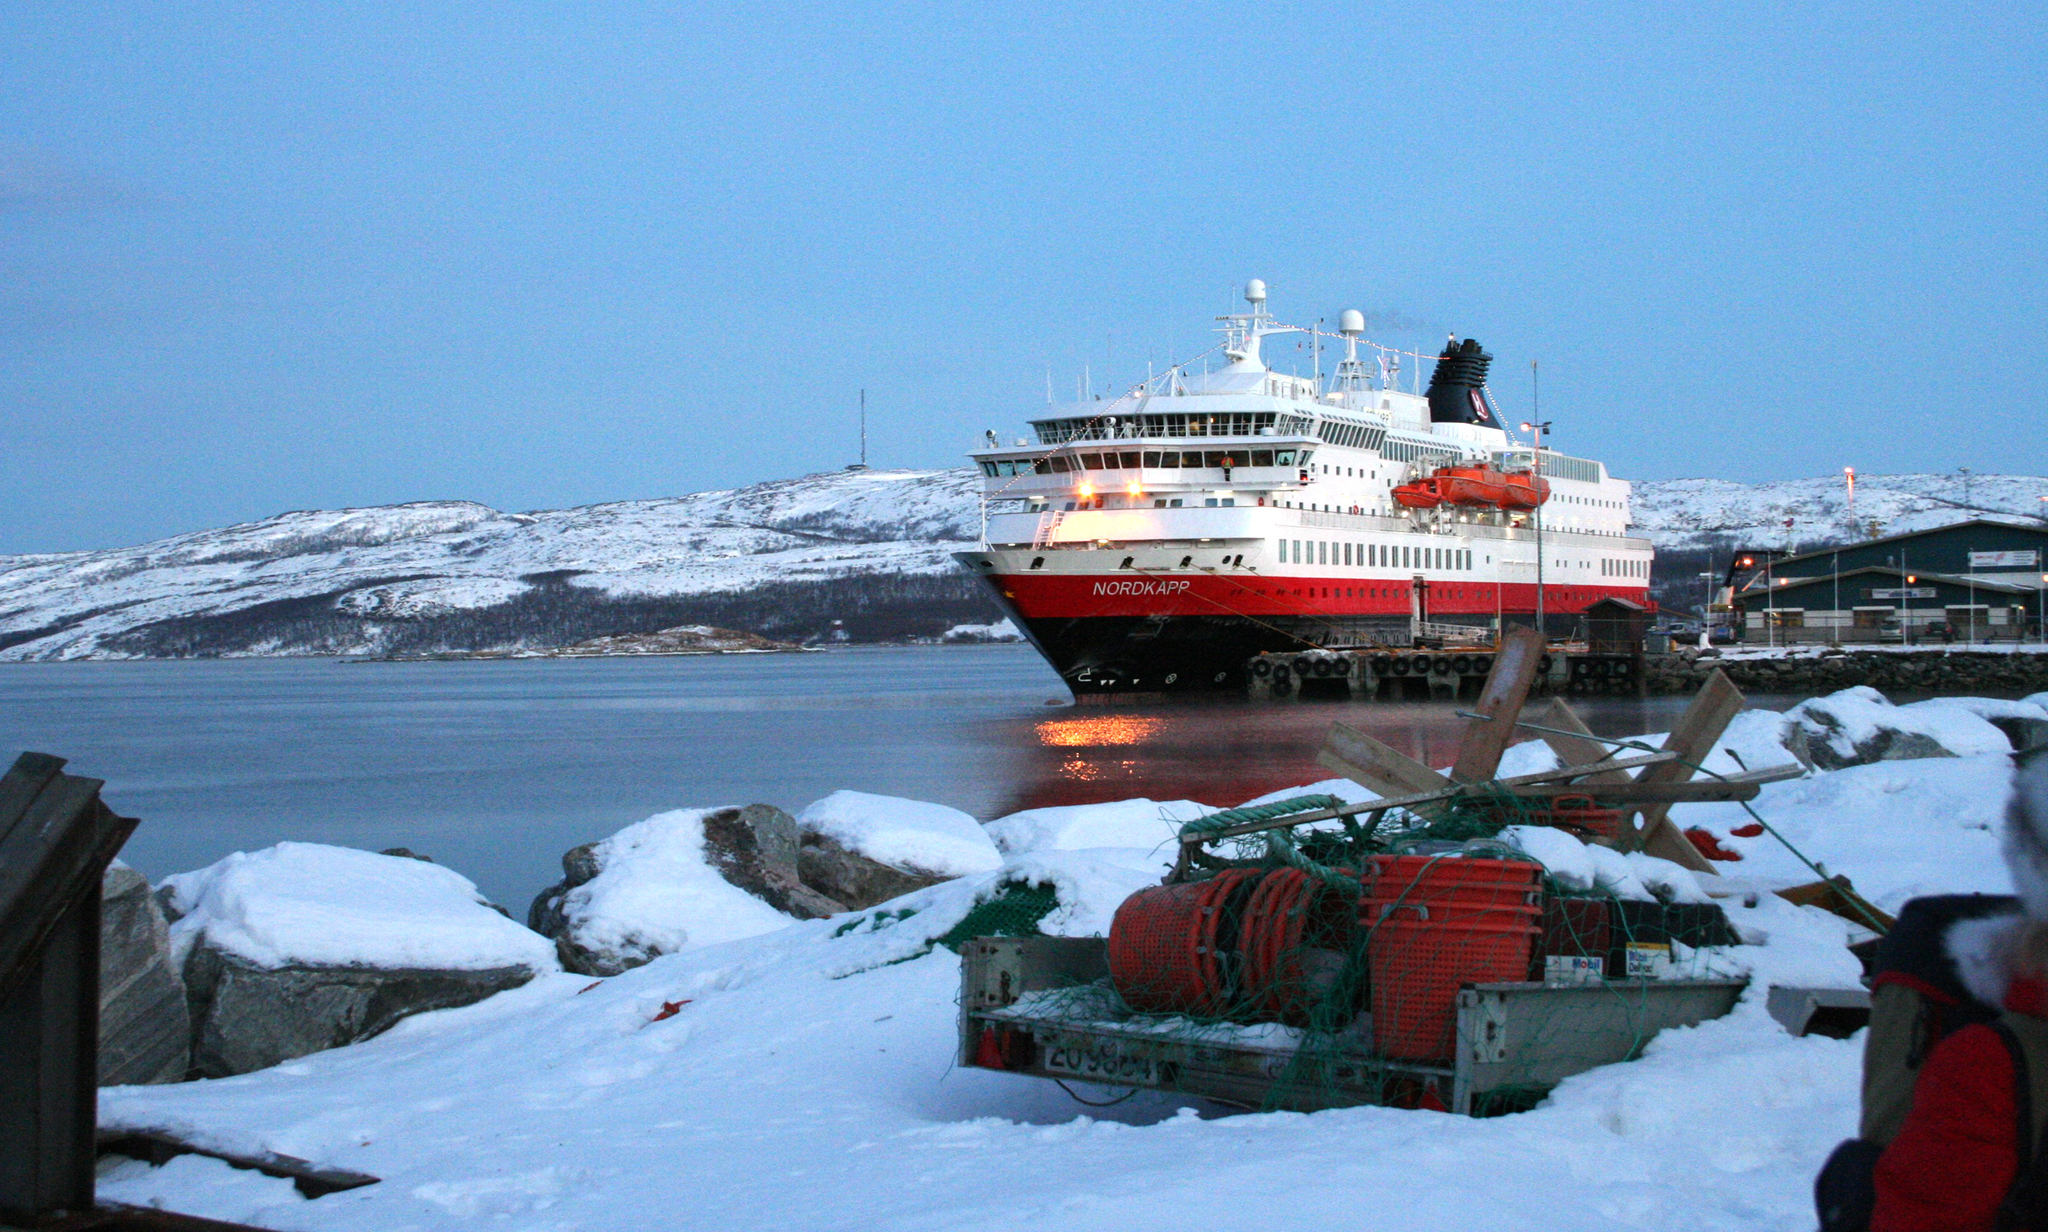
(863, 463)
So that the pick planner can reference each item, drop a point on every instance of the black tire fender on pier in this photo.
(1482, 663)
(1462, 664)
(1397, 667)
(1543, 665)
(1262, 667)
(1420, 665)
(1382, 664)
(1325, 667)
(1441, 665)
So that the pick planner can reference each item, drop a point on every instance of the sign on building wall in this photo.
(1903, 592)
(1995, 560)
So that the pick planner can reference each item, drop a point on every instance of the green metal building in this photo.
(1969, 581)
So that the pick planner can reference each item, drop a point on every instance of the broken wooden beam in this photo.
(159, 1146)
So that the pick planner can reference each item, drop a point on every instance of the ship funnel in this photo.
(1457, 389)
(1351, 323)
(1255, 292)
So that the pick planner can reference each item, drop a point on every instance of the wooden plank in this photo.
(1692, 738)
(159, 1146)
(1414, 801)
(1578, 749)
(1370, 763)
(1838, 896)
(1646, 794)
(1500, 702)
(23, 782)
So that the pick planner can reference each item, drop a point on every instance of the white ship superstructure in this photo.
(1160, 539)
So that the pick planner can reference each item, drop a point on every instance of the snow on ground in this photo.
(336, 906)
(806, 1079)
(1856, 716)
(655, 893)
(907, 835)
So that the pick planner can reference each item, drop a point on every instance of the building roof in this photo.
(1960, 581)
(2000, 523)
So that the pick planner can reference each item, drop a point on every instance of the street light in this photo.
(1541, 428)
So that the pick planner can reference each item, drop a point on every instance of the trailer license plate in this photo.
(1101, 1061)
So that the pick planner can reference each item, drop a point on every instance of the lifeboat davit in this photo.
(1471, 485)
(1525, 490)
(1418, 494)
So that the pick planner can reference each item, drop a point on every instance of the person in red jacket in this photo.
(1956, 1160)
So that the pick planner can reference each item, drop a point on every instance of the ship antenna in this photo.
(863, 429)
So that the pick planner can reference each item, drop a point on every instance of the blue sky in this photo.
(271, 257)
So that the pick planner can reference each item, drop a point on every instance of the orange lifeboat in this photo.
(1471, 485)
(1524, 490)
(1418, 494)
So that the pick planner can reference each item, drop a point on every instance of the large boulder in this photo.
(676, 881)
(1858, 726)
(864, 849)
(145, 1027)
(302, 946)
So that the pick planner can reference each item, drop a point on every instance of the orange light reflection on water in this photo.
(1101, 731)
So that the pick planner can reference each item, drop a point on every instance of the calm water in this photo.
(496, 768)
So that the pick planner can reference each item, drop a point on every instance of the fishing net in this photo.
(1325, 959)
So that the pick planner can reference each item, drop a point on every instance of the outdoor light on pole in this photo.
(1540, 428)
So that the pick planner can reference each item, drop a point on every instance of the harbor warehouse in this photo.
(1968, 581)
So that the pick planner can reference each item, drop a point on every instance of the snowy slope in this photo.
(1698, 513)
(367, 571)
(409, 561)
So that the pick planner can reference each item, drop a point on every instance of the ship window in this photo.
(1229, 502)
(1038, 562)
(1069, 505)
(1284, 458)
(1091, 461)
(1110, 461)
(1152, 457)
(1170, 458)
(1159, 503)
(1130, 460)
(1059, 465)
(1175, 504)
(1262, 457)
(1210, 503)
(989, 469)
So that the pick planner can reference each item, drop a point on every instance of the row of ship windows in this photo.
(1625, 568)
(1056, 464)
(1100, 428)
(1372, 555)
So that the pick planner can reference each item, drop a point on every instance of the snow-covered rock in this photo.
(679, 880)
(303, 946)
(1004, 630)
(145, 1026)
(1147, 825)
(1858, 726)
(2025, 723)
(911, 836)
(864, 849)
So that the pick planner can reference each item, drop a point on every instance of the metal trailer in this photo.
(1512, 1038)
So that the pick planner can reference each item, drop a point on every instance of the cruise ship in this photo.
(1160, 539)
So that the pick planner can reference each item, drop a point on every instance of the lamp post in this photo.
(1540, 428)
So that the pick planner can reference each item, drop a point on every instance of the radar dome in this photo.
(1255, 291)
(1352, 321)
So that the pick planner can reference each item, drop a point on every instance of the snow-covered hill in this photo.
(361, 581)
(1681, 514)
(784, 558)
